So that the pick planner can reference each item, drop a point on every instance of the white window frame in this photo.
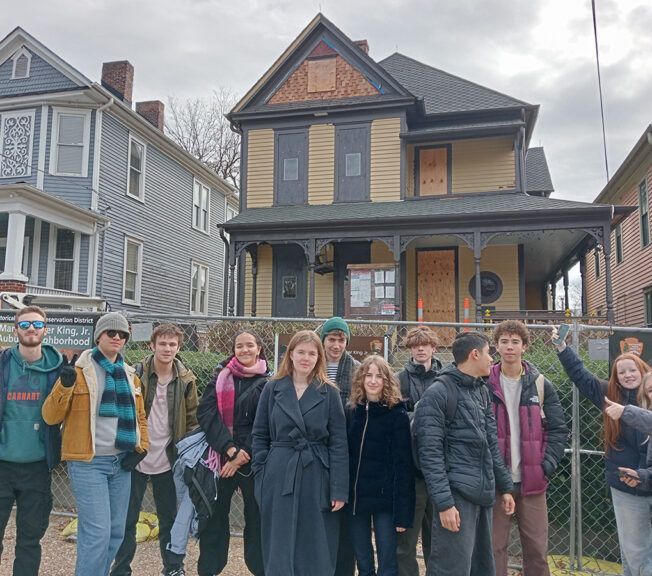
(194, 305)
(20, 114)
(139, 273)
(195, 223)
(54, 140)
(52, 251)
(141, 196)
(14, 58)
(619, 245)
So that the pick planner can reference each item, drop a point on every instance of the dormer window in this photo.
(22, 62)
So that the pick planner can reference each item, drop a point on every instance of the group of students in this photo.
(328, 453)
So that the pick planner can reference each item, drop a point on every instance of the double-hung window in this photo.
(70, 142)
(136, 180)
(133, 271)
(199, 289)
(201, 207)
(63, 263)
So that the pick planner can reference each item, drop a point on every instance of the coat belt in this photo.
(305, 451)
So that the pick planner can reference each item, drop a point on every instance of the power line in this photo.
(597, 61)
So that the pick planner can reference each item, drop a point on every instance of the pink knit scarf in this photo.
(225, 394)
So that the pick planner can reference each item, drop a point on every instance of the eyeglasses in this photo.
(112, 334)
(25, 324)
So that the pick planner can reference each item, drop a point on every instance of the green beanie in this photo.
(335, 323)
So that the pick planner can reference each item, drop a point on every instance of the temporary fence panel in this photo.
(581, 519)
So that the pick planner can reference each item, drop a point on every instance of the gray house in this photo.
(94, 199)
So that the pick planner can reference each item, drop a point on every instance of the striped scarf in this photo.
(117, 400)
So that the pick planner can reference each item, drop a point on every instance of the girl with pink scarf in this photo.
(226, 414)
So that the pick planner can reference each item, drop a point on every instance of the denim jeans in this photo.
(467, 552)
(633, 514)
(385, 533)
(165, 498)
(406, 550)
(28, 485)
(101, 489)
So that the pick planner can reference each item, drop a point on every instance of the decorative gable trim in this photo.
(22, 63)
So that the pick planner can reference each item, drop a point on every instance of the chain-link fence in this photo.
(581, 520)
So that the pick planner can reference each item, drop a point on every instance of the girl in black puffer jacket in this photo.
(380, 461)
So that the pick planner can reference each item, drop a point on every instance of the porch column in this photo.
(253, 253)
(397, 276)
(553, 294)
(566, 300)
(312, 256)
(606, 248)
(583, 284)
(232, 260)
(14, 249)
(477, 254)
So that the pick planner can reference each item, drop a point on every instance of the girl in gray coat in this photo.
(300, 463)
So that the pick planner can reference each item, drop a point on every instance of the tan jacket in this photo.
(75, 407)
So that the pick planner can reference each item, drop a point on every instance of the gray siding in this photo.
(42, 78)
(74, 189)
(164, 224)
(31, 179)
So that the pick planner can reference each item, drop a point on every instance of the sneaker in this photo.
(173, 572)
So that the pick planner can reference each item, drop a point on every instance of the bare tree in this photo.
(200, 127)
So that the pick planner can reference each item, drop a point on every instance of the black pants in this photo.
(214, 539)
(165, 498)
(28, 485)
(345, 556)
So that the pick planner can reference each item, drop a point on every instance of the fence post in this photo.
(575, 553)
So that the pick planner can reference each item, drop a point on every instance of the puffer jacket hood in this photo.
(420, 370)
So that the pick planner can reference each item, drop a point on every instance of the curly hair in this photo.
(390, 393)
(642, 399)
(512, 327)
(612, 428)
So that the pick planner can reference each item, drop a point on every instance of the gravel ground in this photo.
(59, 554)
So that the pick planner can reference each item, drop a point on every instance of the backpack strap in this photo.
(539, 382)
(451, 408)
(138, 367)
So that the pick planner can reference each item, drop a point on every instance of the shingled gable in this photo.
(19, 38)
(321, 41)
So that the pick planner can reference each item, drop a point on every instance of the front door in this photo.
(437, 287)
(290, 282)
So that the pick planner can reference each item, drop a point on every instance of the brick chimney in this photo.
(363, 45)
(153, 111)
(118, 78)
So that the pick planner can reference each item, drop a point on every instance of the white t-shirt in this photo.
(512, 391)
(158, 430)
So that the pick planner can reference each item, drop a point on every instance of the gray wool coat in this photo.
(300, 463)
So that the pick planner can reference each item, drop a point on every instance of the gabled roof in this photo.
(538, 181)
(19, 37)
(294, 55)
(444, 93)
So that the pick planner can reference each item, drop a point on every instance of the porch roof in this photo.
(503, 211)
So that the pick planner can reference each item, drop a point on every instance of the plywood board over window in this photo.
(322, 75)
(433, 171)
(437, 288)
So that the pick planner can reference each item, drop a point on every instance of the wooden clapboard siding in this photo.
(321, 164)
(631, 276)
(264, 286)
(501, 260)
(410, 285)
(260, 168)
(381, 254)
(385, 184)
(483, 164)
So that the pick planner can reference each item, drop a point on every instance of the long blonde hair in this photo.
(318, 372)
(390, 393)
(642, 399)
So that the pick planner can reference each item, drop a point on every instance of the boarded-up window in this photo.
(291, 171)
(352, 164)
(322, 75)
(432, 170)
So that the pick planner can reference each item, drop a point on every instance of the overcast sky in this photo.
(540, 51)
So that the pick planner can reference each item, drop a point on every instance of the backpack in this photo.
(451, 409)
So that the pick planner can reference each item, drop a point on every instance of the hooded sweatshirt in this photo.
(22, 432)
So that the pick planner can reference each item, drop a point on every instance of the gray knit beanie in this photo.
(110, 321)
